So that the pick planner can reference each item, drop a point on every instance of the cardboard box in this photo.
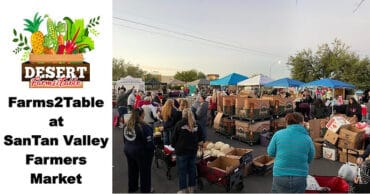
(247, 136)
(316, 126)
(239, 101)
(263, 160)
(319, 140)
(228, 126)
(224, 164)
(238, 152)
(261, 126)
(331, 137)
(343, 157)
(335, 123)
(342, 143)
(329, 153)
(318, 150)
(351, 134)
(228, 100)
(352, 155)
(278, 124)
(217, 120)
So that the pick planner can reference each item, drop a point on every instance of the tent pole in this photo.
(332, 104)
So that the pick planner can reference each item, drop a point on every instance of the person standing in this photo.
(201, 114)
(150, 111)
(213, 107)
(319, 111)
(185, 140)
(138, 99)
(367, 102)
(354, 109)
(170, 116)
(131, 101)
(183, 104)
(122, 104)
(293, 150)
(139, 151)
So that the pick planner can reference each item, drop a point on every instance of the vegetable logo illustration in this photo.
(55, 59)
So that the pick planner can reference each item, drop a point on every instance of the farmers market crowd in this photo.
(181, 124)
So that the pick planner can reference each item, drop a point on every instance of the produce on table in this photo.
(225, 147)
(218, 145)
(210, 146)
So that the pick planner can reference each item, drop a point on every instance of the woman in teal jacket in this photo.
(293, 150)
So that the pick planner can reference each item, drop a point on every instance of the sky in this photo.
(248, 37)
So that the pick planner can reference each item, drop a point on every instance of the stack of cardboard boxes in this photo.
(341, 138)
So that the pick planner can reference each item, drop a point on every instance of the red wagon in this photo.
(335, 185)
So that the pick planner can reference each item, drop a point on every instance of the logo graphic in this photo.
(55, 59)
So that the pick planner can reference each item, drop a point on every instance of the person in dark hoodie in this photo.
(122, 104)
(139, 151)
(319, 111)
(354, 109)
(170, 117)
(185, 140)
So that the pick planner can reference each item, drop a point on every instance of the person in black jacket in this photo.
(170, 117)
(139, 151)
(319, 111)
(185, 140)
(354, 109)
(122, 104)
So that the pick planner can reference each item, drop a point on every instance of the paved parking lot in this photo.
(252, 183)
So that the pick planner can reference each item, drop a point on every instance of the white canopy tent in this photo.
(258, 80)
(129, 82)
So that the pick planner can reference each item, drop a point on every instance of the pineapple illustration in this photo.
(37, 37)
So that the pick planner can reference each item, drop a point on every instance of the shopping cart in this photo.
(229, 180)
(165, 154)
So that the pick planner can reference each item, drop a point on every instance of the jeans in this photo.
(289, 184)
(167, 134)
(187, 171)
(122, 110)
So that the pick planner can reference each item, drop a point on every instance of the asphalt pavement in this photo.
(252, 183)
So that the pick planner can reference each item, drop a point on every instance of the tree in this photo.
(118, 69)
(303, 66)
(121, 68)
(335, 61)
(201, 75)
(189, 76)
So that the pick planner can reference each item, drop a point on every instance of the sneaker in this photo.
(182, 191)
(190, 189)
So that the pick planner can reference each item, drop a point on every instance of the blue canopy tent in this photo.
(330, 83)
(231, 79)
(285, 83)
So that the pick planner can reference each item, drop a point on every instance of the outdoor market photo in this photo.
(264, 104)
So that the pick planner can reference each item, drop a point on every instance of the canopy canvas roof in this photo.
(330, 83)
(176, 82)
(285, 83)
(128, 82)
(199, 82)
(258, 80)
(231, 79)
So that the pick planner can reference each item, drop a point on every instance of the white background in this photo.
(23, 122)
